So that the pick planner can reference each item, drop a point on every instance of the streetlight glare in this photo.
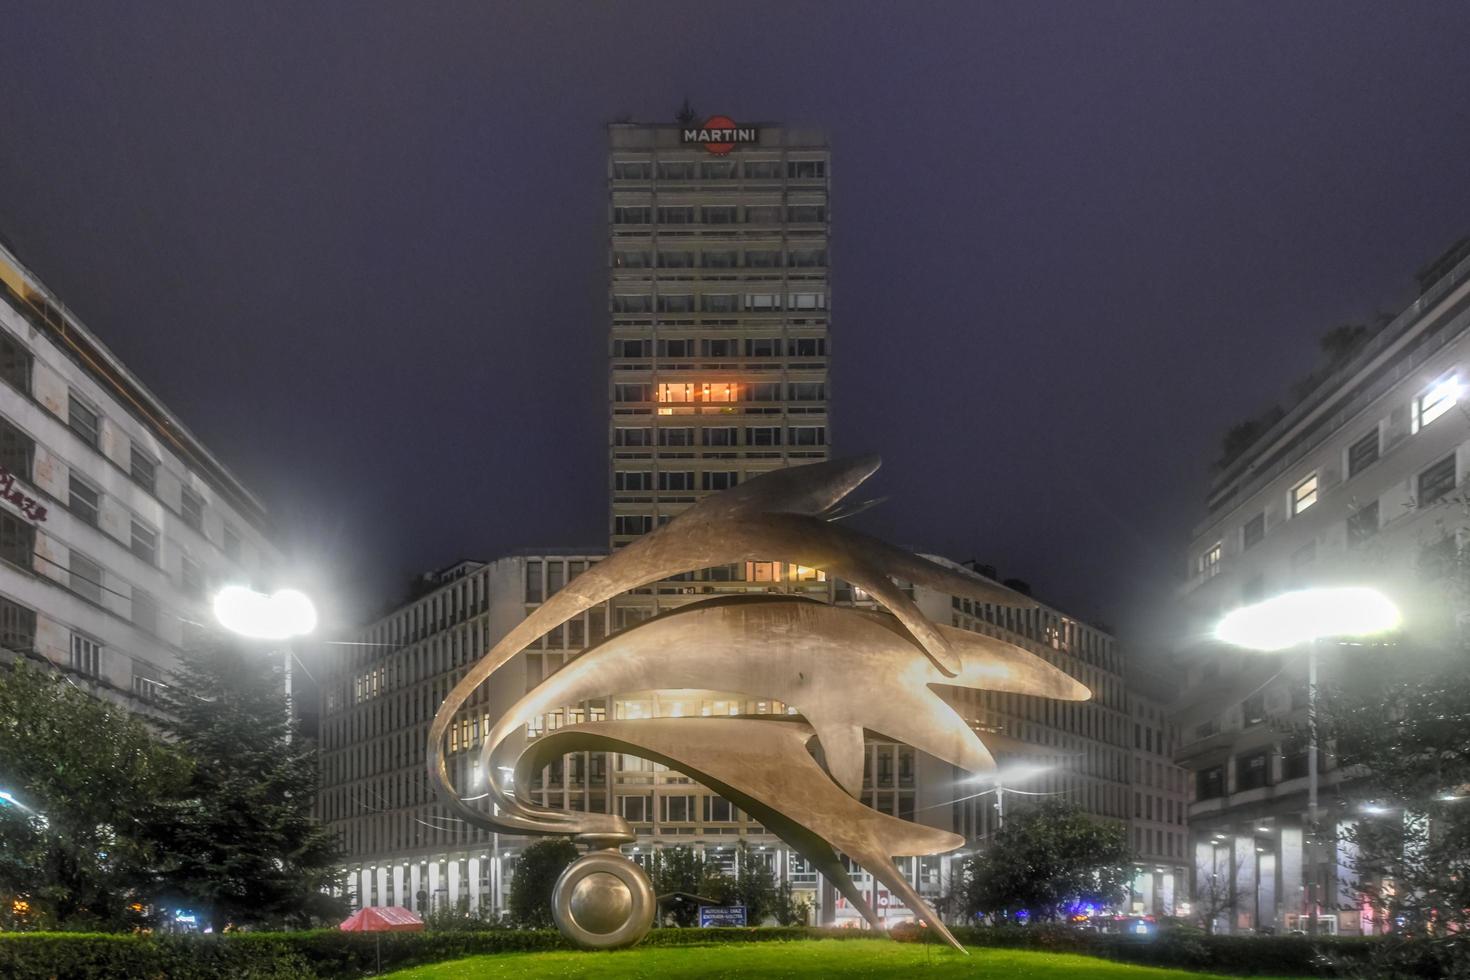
(285, 614)
(1311, 614)
(1012, 774)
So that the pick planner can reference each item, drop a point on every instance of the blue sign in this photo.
(722, 915)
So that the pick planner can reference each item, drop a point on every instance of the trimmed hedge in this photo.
(329, 954)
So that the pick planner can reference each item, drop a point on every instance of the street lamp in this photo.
(1010, 774)
(1310, 616)
(257, 616)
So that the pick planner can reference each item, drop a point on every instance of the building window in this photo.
(807, 258)
(676, 437)
(721, 214)
(15, 363)
(231, 543)
(85, 578)
(806, 169)
(676, 170)
(1251, 771)
(1435, 402)
(191, 508)
(145, 611)
(632, 303)
(1363, 453)
(144, 470)
(191, 577)
(632, 348)
(677, 480)
(676, 216)
(720, 436)
(763, 169)
(717, 170)
(765, 214)
(82, 500)
(17, 626)
(145, 543)
(632, 524)
(1304, 495)
(631, 393)
(720, 480)
(147, 682)
(632, 169)
(763, 436)
(763, 303)
(808, 435)
(676, 259)
(1209, 561)
(676, 303)
(1253, 709)
(720, 303)
(632, 216)
(16, 449)
(86, 655)
(807, 391)
(1436, 481)
(806, 213)
(17, 540)
(636, 809)
(1362, 524)
(762, 571)
(83, 421)
(721, 258)
(632, 437)
(1209, 784)
(534, 589)
(633, 480)
(1255, 530)
(806, 301)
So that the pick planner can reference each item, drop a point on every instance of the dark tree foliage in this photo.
(536, 871)
(679, 872)
(1047, 860)
(753, 885)
(75, 850)
(242, 845)
(1402, 720)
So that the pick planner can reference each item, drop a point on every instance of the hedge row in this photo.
(335, 955)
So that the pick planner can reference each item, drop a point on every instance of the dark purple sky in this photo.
(359, 247)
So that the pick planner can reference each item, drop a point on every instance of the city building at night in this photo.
(116, 522)
(1356, 484)
(719, 304)
(1158, 821)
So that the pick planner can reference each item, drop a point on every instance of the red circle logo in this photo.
(714, 123)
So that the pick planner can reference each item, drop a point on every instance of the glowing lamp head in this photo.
(285, 614)
(1311, 614)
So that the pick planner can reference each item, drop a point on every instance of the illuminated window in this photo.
(1304, 495)
(762, 571)
(800, 573)
(720, 391)
(673, 392)
(1209, 562)
(1435, 402)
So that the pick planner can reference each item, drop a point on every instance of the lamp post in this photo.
(258, 616)
(1308, 617)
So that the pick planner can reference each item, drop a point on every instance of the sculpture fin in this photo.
(842, 745)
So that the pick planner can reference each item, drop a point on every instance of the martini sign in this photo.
(720, 134)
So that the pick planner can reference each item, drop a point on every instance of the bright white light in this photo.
(1299, 617)
(1374, 809)
(1012, 774)
(264, 617)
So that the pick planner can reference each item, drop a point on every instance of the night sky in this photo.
(359, 248)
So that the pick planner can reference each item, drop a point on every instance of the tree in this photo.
(752, 886)
(242, 845)
(87, 777)
(1222, 892)
(1403, 723)
(679, 871)
(1047, 860)
(536, 871)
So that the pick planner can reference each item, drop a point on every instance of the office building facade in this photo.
(1356, 484)
(116, 522)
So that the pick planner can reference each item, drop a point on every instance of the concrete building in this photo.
(1355, 483)
(116, 522)
(1158, 824)
(719, 302)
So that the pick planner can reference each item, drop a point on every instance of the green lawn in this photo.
(813, 958)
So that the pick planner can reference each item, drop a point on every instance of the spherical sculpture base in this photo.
(603, 901)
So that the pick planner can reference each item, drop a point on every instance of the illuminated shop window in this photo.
(762, 571)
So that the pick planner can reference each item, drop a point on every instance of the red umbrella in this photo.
(383, 918)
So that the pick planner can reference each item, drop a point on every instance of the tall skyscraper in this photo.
(719, 305)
